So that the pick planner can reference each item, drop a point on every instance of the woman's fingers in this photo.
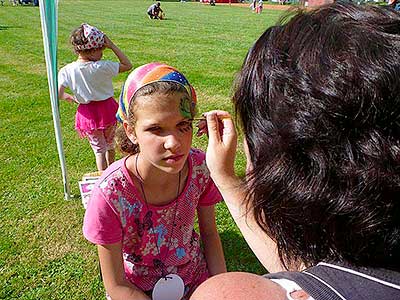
(221, 116)
(221, 150)
(202, 128)
(214, 135)
(220, 125)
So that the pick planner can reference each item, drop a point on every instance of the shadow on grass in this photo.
(4, 27)
(238, 255)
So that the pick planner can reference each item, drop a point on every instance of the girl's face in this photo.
(162, 131)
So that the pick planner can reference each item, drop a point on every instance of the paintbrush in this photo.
(204, 118)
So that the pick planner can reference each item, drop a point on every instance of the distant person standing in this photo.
(155, 11)
(253, 5)
(259, 6)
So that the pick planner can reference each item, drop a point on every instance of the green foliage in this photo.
(43, 254)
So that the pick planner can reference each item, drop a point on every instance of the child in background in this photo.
(142, 211)
(90, 80)
(259, 6)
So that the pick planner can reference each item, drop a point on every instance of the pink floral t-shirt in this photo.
(152, 235)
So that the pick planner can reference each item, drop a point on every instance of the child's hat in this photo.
(94, 37)
(146, 74)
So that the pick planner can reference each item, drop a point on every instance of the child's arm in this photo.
(211, 241)
(112, 270)
(64, 95)
(124, 62)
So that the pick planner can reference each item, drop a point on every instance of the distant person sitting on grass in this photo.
(155, 11)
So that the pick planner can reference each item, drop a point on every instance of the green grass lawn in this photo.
(43, 254)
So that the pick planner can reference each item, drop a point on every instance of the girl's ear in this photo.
(130, 132)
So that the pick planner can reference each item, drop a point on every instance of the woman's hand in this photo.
(221, 150)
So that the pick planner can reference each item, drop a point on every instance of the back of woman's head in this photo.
(319, 101)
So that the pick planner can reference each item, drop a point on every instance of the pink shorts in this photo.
(102, 140)
(95, 115)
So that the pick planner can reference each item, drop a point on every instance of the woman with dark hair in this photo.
(318, 99)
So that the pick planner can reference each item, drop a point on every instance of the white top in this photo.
(89, 81)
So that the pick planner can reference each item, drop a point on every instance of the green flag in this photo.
(48, 17)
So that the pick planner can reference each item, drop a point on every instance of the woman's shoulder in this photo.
(251, 287)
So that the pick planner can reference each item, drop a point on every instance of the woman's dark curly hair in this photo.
(318, 98)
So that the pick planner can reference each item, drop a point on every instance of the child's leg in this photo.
(99, 146)
(109, 134)
(110, 156)
(101, 161)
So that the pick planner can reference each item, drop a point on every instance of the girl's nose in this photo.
(172, 141)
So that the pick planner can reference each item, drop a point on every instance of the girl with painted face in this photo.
(142, 212)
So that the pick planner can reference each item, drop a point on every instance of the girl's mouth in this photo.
(173, 158)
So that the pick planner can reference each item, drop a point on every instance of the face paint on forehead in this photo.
(184, 107)
(186, 128)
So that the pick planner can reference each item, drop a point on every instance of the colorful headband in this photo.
(95, 38)
(146, 74)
